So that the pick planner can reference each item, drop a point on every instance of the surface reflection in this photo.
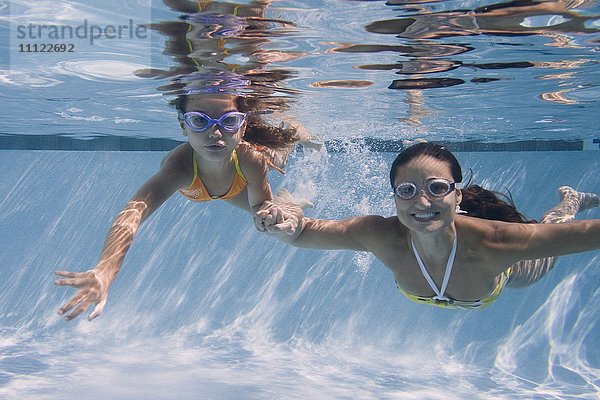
(512, 18)
(430, 55)
(219, 47)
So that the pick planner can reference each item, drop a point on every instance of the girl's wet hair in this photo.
(258, 131)
(476, 201)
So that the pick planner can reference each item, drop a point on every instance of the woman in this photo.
(438, 254)
(227, 156)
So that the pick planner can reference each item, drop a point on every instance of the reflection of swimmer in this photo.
(227, 156)
(416, 108)
(512, 18)
(440, 257)
(220, 37)
(255, 8)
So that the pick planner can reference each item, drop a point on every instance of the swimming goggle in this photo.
(198, 121)
(435, 187)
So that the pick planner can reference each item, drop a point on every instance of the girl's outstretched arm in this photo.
(92, 286)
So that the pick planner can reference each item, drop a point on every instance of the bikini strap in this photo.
(260, 147)
(439, 292)
(190, 46)
(237, 165)
(273, 165)
(195, 166)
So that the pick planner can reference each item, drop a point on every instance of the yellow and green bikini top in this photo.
(440, 300)
(469, 305)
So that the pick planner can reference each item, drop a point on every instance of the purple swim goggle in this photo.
(199, 122)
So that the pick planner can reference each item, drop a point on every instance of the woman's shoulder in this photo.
(482, 236)
(381, 222)
(380, 235)
(382, 229)
(479, 226)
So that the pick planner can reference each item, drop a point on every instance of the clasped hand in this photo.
(276, 218)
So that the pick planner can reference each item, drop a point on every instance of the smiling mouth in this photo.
(425, 216)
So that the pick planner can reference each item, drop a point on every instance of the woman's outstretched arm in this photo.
(360, 233)
(506, 243)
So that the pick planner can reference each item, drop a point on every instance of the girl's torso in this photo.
(229, 183)
(213, 183)
(197, 190)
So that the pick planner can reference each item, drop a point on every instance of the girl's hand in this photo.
(91, 290)
(276, 218)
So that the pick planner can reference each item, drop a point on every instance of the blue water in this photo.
(205, 307)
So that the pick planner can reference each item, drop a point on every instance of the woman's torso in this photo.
(471, 278)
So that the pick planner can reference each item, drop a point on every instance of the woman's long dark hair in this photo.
(476, 201)
(258, 131)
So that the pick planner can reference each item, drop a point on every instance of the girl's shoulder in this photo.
(251, 156)
(249, 149)
(180, 159)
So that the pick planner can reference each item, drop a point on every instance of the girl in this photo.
(226, 157)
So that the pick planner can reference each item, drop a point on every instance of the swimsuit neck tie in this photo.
(439, 293)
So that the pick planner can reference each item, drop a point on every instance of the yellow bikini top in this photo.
(440, 299)
(197, 191)
(470, 305)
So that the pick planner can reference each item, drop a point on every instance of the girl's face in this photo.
(214, 142)
(424, 212)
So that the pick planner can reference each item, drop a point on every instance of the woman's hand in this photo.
(276, 218)
(91, 289)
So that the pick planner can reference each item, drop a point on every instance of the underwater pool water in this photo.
(206, 307)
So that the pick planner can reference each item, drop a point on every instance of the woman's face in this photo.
(425, 213)
(215, 142)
